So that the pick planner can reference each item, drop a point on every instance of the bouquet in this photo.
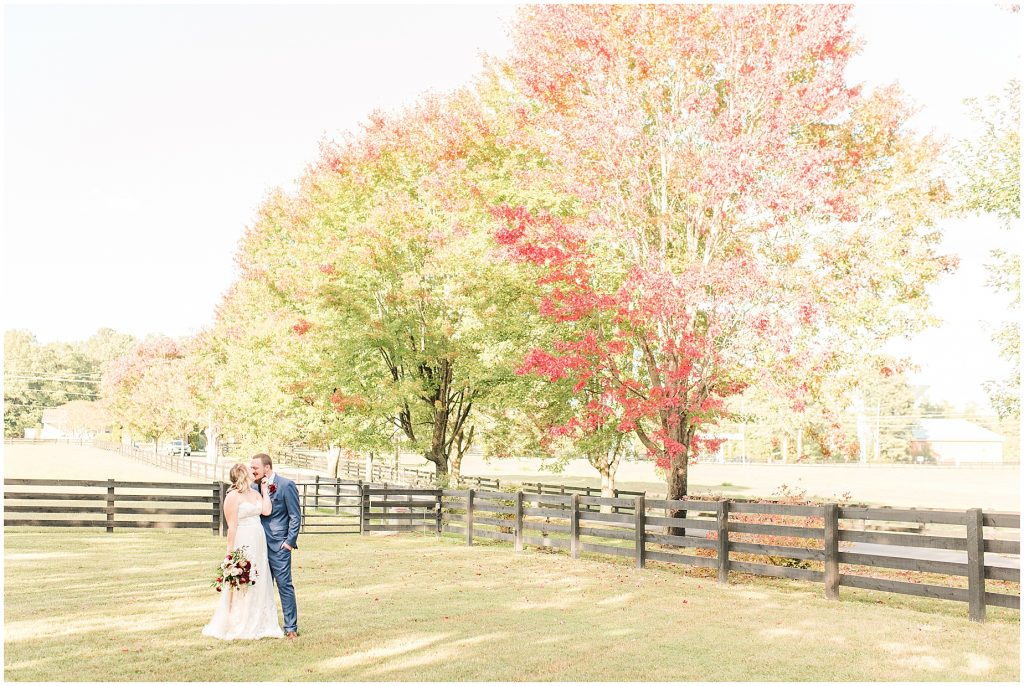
(235, 572)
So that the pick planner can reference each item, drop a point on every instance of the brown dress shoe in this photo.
(292, 634)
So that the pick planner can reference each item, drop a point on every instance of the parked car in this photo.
(179, 447)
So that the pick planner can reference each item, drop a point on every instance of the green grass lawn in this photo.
(85, 606)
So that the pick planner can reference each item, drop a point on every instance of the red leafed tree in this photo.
(722, 171)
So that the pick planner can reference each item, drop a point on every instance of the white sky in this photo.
(139, 141)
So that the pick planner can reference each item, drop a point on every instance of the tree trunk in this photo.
(607, 464)
(439, 403)
(462, 444)
(440, 461)
(211, 439)
(436, 453)
(333, 460)
(678, 471)
(607, 488)
(456, 473)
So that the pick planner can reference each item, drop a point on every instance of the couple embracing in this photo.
(263, 516)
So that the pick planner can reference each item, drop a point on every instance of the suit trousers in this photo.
(281, 568)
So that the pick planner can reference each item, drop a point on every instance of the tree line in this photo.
(644, 221)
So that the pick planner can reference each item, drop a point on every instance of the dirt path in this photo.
(56, 461)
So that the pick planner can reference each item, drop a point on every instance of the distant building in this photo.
(79, 419)
(955, 442)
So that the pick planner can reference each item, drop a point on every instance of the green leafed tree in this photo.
(405, 320)
(37, 377)
(990, 165)
(148, 391)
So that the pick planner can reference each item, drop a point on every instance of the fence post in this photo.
(469, 516)
(363, 508)
(615, 493)
(519, 521)
(316, 493)
(440, 512)
(110, 506)
(215, 515)
(639, 524)
(723, 542)
(497, 484)
(574, 525)
(831, 517)
(975, 565)
(221, 495)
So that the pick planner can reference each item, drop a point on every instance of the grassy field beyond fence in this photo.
(130, 606)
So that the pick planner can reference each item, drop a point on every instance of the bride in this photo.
(250, 611)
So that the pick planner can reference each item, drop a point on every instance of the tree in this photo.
(37, 377)
(246, 388)
(734, 196)
(148, 391)
(85, 417)
(402, 318)
(990, 167)
(105, 346)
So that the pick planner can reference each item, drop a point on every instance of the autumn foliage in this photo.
(640, 213)
(720, 162)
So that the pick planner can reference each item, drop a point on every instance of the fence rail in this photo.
(331, 506)
(299, 460)
(819, 543)
(113, 504)
(65, 441)
(198, 469)
(815, 544)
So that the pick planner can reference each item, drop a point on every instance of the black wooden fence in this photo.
(331, 506)
(819, 543)
(725, 535)
(112, 504)
(194, 468)
(422, 477)
(827, 544)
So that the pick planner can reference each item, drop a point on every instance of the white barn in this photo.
(956, 442)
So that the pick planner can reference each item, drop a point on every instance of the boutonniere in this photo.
(273, 489)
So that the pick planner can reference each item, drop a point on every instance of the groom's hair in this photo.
(265, 459)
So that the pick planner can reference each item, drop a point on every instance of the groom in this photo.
(282, 529)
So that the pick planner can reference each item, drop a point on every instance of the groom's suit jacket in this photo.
(285, 518)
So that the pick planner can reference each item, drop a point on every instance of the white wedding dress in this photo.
(250, 612)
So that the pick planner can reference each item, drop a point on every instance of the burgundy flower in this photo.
(273, 488)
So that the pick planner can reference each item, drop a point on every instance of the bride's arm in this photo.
(265, 505)
(231, 517)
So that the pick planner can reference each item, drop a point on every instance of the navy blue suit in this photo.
(282, 526)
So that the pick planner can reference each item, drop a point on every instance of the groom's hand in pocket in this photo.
(285, 546)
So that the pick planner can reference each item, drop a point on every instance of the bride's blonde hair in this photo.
(241, 479)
